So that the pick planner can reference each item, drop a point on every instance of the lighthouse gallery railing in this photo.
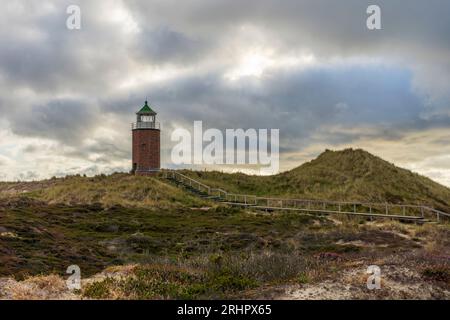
(145, 125)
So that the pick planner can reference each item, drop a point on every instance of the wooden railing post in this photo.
(301, 204)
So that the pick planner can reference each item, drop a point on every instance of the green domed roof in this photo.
(146, 109)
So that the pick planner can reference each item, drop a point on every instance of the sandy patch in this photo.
(396, 283)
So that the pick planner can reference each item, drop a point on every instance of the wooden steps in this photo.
(401, 212)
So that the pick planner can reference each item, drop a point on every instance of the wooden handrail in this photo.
(386, 208)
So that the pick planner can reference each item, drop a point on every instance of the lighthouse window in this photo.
(147, 118)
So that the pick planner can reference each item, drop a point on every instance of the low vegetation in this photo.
(348, 175)
(117, 189)
(144, 238)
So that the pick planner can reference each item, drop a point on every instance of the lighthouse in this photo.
(146, 142)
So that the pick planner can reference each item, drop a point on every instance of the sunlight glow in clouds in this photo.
(149, 76)
(307, 67)
(122, 17)
(256, 62)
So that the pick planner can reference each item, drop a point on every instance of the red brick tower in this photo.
(146, 142)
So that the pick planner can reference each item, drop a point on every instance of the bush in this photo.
(437, 273)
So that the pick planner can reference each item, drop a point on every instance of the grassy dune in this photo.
(163, 242)
(117, 189)
(348, 175)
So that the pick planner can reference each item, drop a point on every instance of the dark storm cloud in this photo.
(299, 102)
(163, 45)
(68, 121)
(30, 149)
(107, 150)
(188, 32)
(39, 53)
(327, 23)
(415, 34)
(43, 54)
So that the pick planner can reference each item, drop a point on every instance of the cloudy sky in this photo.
(308, 67)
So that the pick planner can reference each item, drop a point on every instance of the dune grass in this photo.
(348, 175)
(117, 189)
(188, 247)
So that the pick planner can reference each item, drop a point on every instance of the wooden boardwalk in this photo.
(403, 212)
